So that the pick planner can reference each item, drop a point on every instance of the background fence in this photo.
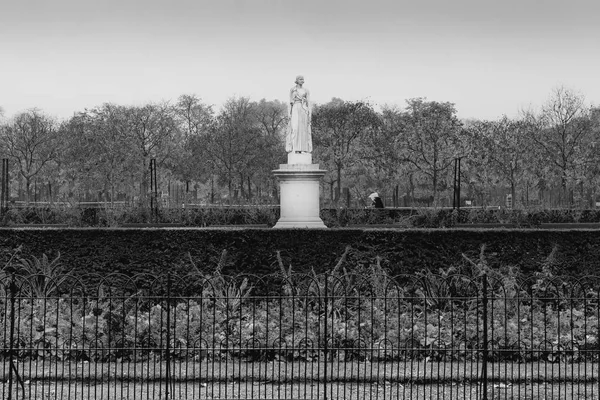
(287, 336)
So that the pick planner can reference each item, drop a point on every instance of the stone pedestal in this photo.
(299, 192)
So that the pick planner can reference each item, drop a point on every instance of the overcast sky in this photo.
(488, 57)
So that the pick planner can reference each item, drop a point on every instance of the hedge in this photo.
(255, 251)
(268, 216)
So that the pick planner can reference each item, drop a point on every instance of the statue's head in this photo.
(299, 78)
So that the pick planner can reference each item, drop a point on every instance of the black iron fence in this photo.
(336, 336)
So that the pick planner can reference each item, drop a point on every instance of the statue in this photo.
(298, 138)
(299, 185)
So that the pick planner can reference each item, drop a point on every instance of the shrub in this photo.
(108, 216)
(372, 316)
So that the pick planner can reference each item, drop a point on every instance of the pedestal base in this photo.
(302, 223)
(299, 193)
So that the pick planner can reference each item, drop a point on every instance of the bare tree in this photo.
(99, 151)
(338, 128)
(562, 131)
(154, 134)
(235, 142)
(272, 118)
(190, 160)
(194, 116)
(432, 139)
(504, 147)
(32, 140)
(384, 157)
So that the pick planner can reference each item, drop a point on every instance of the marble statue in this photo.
(299, 139)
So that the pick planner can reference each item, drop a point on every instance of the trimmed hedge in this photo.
(268, 216)
(447, 217)
(113, 217)
(254, 251)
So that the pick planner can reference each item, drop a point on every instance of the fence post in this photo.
(11, 336)
(12, 368)
(484, 374)
(168, 355)
(5, 187)
(325, 340)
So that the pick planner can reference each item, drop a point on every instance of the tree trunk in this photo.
(434, 183)
(338, 189)
(411, 188)
(513, 192)
(212, 189)
(144, 184)
(27, 190)
(563, 188)
(229, 188)
(242, 188)
(249, 189)
(331, 184)
(112, 194)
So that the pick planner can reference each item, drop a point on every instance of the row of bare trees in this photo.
(544, 157)
(551, 150)
(104, 153)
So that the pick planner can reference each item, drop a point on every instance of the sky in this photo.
(489, 58)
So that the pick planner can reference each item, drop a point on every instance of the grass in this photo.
(298, 380)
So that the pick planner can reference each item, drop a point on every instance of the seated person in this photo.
(376, 200)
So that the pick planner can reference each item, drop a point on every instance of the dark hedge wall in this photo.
(150, 250)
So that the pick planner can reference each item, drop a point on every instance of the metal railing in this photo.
(287, 336)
